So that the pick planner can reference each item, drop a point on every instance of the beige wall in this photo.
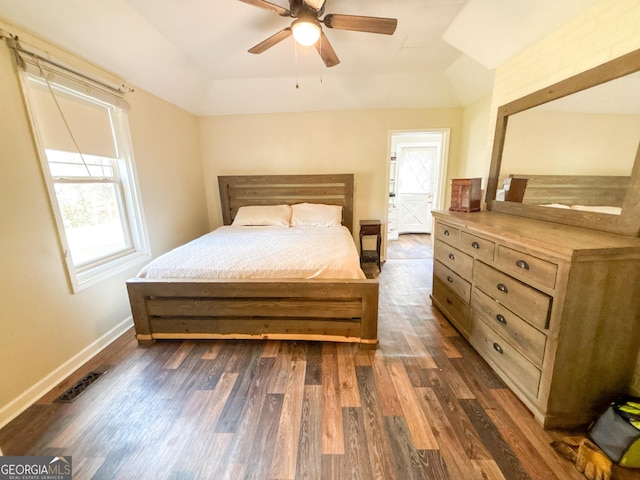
(608, 30)
(475, 146)
(45, 330)
(322, 142)
(565, 143)
(166, 145)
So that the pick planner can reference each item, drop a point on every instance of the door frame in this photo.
(440, 186)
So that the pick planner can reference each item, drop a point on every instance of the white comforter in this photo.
(262, 252)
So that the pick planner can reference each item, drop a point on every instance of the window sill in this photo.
(95, 275)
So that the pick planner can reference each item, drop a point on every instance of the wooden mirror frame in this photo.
(628, 222)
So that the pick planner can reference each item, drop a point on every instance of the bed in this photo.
(589, 193)
(340, 307)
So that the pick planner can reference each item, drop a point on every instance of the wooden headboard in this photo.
(575, 189)
(241, 190)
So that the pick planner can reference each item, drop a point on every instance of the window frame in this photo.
(94, 272)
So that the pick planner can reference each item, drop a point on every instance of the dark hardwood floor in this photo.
(410, 247)
(421, 406)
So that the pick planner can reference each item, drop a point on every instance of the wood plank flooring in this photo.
(421, 406)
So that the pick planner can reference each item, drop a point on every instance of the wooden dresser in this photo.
(554, 310)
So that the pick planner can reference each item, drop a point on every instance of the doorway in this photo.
(417, 176)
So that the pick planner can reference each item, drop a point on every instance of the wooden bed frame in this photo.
(574, 189)
(327, 310)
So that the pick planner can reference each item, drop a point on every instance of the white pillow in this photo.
(598, 209)
(315, 215)
(555, 205)
(267, 215)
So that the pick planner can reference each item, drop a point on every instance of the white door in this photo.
(416, 178)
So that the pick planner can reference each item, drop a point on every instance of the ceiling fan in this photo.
(307, 29)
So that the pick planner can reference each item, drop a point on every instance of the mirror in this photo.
(570, 153)
(592, 134)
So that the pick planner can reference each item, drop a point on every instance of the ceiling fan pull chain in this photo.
(295, 49)
(321, 63)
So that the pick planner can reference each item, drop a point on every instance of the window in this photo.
(83, 138)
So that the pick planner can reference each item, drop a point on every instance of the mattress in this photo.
(264, 252)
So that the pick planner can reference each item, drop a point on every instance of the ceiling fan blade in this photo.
(271, 41)
(326, 51)
(386, 26)
(269, 6)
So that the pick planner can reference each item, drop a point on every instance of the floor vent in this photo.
(79, 388)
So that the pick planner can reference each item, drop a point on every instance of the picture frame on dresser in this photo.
(547, 295)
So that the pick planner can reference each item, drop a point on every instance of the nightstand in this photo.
(371, 228)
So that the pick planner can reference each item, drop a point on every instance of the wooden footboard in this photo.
(329, 310)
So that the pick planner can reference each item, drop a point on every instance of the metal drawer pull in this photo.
(446, 233)
(452, 256)
(522, 264)
(449, 301)
(501, 319)
(449, 279)
(497, 348)
(475, 245)
(503, 288)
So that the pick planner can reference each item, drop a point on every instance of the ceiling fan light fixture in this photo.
(307, 27)
(306, 32)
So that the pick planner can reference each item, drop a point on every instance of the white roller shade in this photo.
(88, 122)
(58, 74)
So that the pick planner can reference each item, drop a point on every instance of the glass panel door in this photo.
(416, 178)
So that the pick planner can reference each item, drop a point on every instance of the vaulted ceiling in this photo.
(193, 53)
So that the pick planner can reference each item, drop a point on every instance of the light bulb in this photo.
(305, 32)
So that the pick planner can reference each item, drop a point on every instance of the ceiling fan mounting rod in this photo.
(299, 8)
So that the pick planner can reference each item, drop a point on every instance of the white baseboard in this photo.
(34, 393)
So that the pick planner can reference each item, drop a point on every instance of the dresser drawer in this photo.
(497, 351)
(523, 300)
(455, 282)
(447, 233)
(523, 336)
(452, 306)
(528, 266)
(456, 260)
(476, 246)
